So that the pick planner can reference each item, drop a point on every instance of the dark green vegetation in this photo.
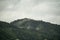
(28, 29)
(6, 32)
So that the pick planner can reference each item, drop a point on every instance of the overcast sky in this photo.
(46, 10)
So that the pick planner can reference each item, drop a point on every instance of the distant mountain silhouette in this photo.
(29, 29)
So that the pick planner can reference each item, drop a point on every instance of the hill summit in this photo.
(29, 29)
(36, 30)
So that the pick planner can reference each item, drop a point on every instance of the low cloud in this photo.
(47, 10)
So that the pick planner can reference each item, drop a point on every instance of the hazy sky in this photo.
(47, 10)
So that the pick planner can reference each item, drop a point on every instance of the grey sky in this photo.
(47, 10)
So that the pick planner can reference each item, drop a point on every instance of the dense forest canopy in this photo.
(29, 29)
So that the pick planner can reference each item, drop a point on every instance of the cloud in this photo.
(47, 10)
(7, 4)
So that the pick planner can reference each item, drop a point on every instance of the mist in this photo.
(46, 10)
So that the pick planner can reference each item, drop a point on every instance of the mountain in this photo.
(6, 32)
(29, 29)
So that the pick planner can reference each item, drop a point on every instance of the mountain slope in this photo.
(28, 29)
(6, 32)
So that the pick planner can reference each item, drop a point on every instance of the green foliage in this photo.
(28, 29)
(6, 32)
(45, 31)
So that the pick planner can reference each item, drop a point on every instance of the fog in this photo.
(46, 10)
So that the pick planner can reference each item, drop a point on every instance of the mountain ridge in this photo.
(39, 30)
(29, 29)
(32, 20)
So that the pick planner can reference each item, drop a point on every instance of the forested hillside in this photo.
(29, 29)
